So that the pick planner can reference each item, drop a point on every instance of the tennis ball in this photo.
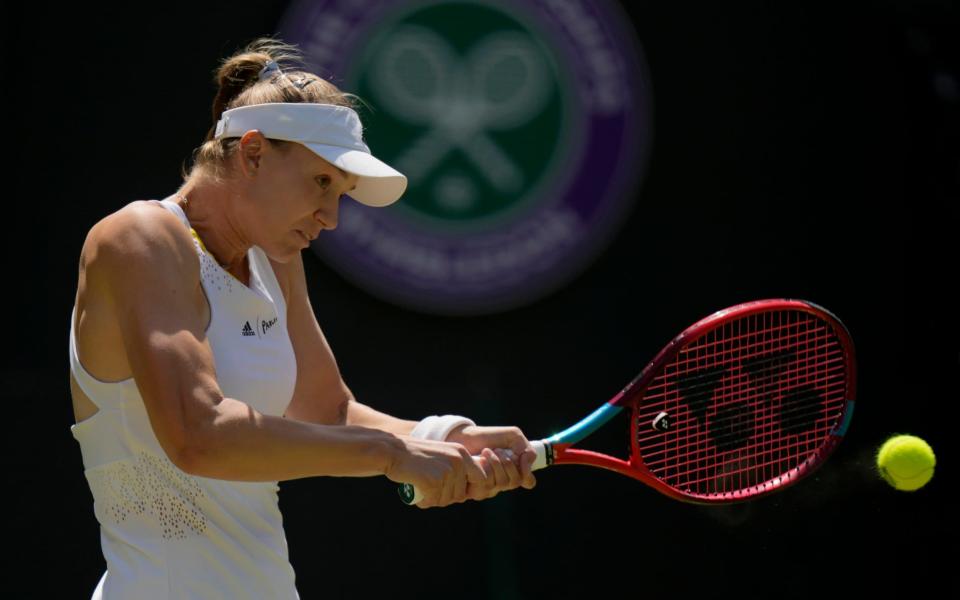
(906, 462)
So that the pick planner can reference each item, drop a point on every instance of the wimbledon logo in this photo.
(522, 127)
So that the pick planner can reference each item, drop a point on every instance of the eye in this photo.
(324, 181)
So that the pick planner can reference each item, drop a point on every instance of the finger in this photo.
(511, 470)
(473, 471)
(429, 499)
(500, 472)
(526, 467)
(460, 491)
(449, 486)
(483, 459)
(525, 462)
(519, 444)
(474, 476)
(481, 491)
(487, 489)
(500, 478)
(460, 484)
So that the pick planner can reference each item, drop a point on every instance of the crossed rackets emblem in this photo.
(500, 83)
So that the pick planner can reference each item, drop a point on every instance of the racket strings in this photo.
(663, 457)
(832, 375)
(733, 344)
(752, 364)
(792, 411)
(762, 386)
(752, 400)
(705, 382)
(733, 349)
(656, 457)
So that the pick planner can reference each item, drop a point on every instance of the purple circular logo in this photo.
(523, 128)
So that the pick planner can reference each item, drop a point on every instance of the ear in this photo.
(252, 144)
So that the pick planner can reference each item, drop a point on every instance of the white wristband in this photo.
(438, 428)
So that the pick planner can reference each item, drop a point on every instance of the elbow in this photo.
(206, 438)
(348, 407)
(173, 440)
(184, 428)
(191, 451)
(188, 459)
(184, 455)
(343, 411)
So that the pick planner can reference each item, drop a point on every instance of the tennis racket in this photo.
(745, 402)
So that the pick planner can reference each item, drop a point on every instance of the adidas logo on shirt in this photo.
(247, 330)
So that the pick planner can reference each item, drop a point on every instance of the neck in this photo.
(213, 212)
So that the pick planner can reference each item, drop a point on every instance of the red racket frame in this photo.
(632, 394)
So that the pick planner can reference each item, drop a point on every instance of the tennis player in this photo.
(199, 375)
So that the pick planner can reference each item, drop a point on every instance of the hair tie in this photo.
(303, 82)
(269, 70)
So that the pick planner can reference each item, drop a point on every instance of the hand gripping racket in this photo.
(745, 402)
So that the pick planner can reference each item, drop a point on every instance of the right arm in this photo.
(145, 266)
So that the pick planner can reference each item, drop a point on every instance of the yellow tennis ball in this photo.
(906, 462)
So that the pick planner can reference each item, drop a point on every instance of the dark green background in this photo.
(530, 148)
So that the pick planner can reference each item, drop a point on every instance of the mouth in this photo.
(306, 239)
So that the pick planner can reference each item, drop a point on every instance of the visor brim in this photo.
(379, 184)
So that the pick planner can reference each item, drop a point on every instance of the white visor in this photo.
(333, 133)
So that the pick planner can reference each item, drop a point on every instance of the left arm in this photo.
(364, 416)
(321, 396)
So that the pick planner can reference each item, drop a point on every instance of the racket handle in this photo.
(411, 495)
(541, 461)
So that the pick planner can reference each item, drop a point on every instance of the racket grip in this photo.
(409, 494)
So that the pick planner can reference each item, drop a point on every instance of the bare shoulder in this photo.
(139, 280)
(138, 227)
(139, 234)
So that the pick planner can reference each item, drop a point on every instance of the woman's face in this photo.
(294, 195)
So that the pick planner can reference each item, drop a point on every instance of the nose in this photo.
(328, 218)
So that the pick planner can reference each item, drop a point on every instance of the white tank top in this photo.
(165, 533)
